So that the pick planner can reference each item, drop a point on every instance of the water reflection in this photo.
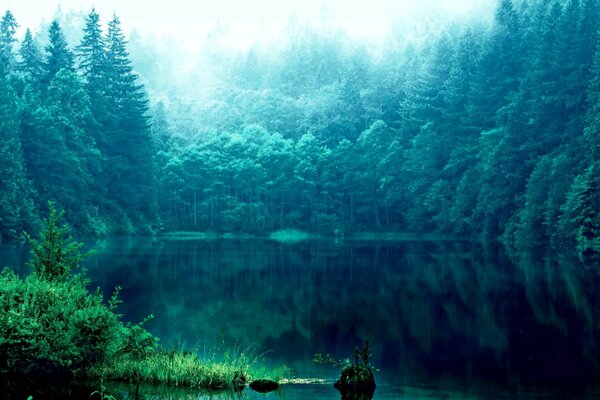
(430, 310)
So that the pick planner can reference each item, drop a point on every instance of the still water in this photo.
(444, 319)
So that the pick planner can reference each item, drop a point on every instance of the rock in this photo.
(356, 379)
(264, 385)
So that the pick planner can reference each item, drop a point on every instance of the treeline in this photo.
(485, 131)
(74, 129)
(490, 131)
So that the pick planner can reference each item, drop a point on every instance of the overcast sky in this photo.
(188, 18)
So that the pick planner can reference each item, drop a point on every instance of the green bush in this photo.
(53, 326)
(49, 321)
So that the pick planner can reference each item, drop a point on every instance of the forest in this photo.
(483, 130)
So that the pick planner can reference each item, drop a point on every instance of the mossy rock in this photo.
(356, 379)
(264, 385)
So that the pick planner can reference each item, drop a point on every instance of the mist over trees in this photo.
(485, 131)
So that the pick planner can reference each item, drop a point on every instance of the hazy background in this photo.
(245, 21)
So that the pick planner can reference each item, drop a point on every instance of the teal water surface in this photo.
(444, 319)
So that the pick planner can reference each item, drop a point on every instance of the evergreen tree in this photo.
(16, 207)
(498, 70)
(31, 63)
(592, 120)
(92, 63)
(128, 143)
(58, 55)
(8, 28)
(59, 155)
(581, 212)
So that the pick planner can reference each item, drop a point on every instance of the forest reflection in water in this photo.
(431, 310)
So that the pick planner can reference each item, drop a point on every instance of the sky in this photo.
(189, 20)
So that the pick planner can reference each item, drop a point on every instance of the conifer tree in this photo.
(31, 63)
(16, 207)
(92, 63)
(8, 28)
(128, 143)
(592, 120)
(58, 55)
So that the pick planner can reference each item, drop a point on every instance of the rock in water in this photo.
(264, 385)
(356, 379)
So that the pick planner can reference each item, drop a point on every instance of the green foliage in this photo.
(58, 55)
(8, 29)
(478, 130)
(16, 206)
(56, 255)
(50, 323)
(31, 63)
(53, 326)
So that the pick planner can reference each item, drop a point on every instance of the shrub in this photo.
(49, 321)
(53, 327)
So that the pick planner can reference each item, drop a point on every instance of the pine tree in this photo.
(592, 120)
(128, 143)
(58, 55)
(8, 28)
(498, 70)
(16, 207)
(92, 63)
(59, 154)
(31, 63)
(581, 212)
(56, 255)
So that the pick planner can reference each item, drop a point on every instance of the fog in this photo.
(189, 23)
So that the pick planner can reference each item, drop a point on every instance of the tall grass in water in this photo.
(185, 369)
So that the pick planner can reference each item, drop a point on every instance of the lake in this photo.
(444, 319)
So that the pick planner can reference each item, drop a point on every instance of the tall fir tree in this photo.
(31, 63)
(592, 119)
(58, 55)
(91, 54)
(128, 143)
(8, 29)
(16, 207)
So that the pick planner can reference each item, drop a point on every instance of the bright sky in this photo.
(188, 19)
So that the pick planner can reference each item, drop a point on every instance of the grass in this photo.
(171, 368)
(186, 370)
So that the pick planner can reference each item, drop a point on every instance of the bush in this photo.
(53, 327)
(49, 322)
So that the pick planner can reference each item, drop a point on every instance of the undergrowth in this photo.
(52, 325)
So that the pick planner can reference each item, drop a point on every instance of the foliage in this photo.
(53, 327)
(50, 324)
(57, 255)
(487, 131)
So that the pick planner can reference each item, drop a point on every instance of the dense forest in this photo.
(488, 130)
